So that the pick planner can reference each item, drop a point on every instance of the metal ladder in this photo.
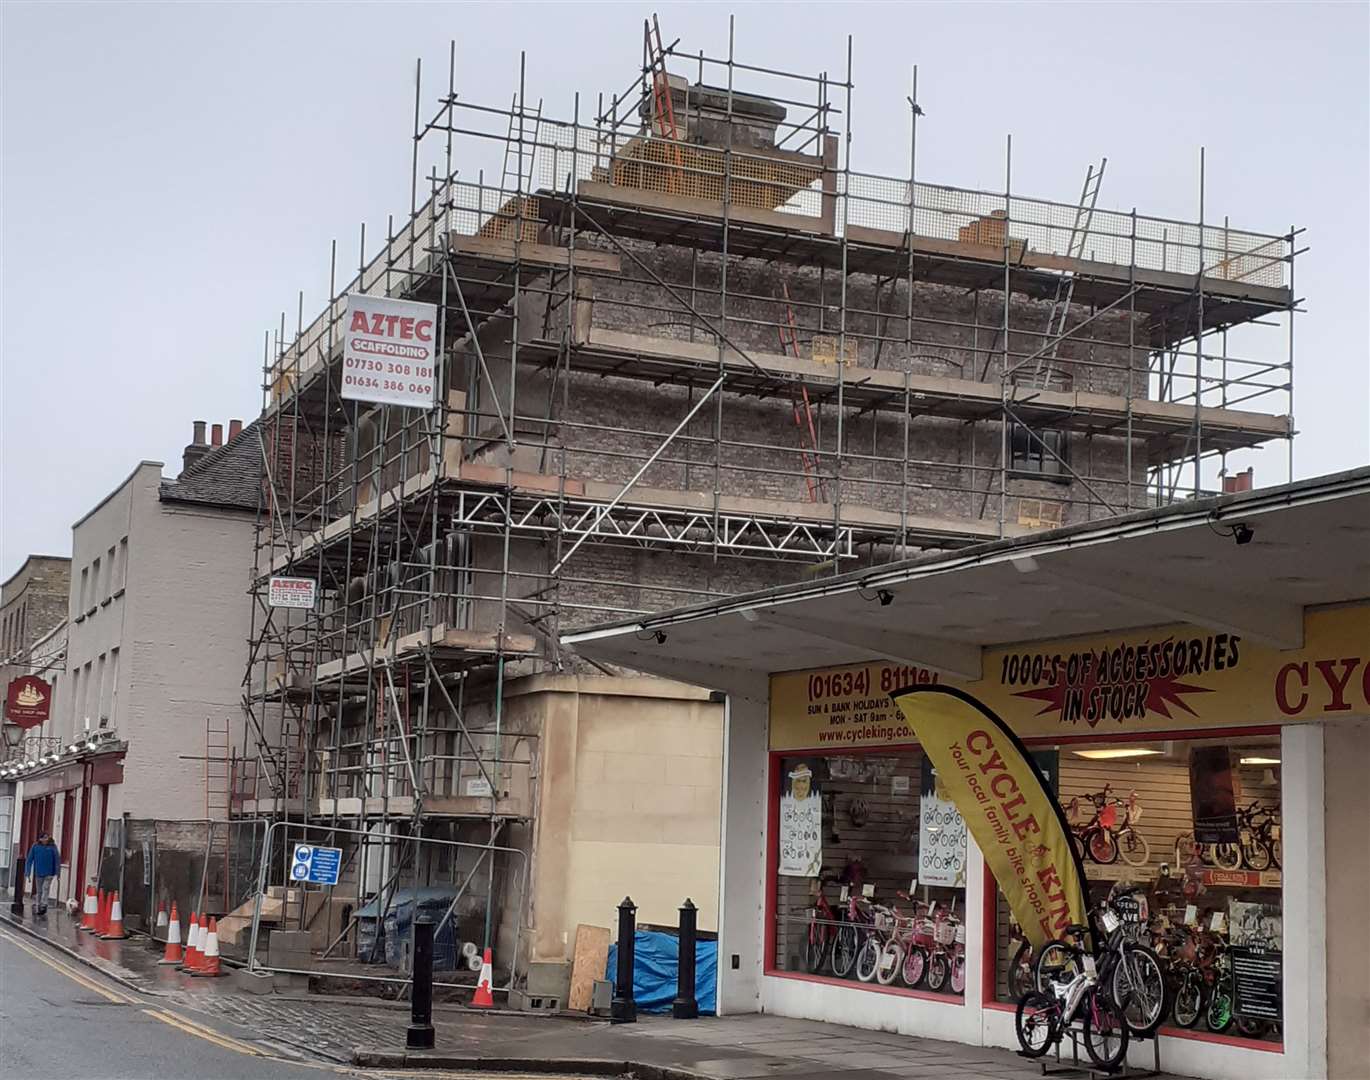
(218, 769)
(803, 420)
(516, 170)
(1065, 285)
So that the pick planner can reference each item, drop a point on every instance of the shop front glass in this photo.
(870, 873)
(1181, 840)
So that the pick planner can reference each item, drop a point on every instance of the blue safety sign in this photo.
(318, 865)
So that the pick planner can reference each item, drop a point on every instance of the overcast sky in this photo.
(173, 174)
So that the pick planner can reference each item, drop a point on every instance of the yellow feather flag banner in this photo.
(987, 773)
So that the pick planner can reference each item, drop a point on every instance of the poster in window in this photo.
(941, 835)
(1213, 794)
(1256, 926)
(801, 823)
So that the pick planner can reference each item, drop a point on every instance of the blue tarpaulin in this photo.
(656, 956)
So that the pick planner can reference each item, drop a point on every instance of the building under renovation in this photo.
(686, 349)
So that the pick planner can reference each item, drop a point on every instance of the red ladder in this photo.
(789, 345)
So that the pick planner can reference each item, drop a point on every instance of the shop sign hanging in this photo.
(801, 824)
(1213, 795)
(989, 776)
(389, 351)
(1175, 677)
(941, 834)
(28, 701)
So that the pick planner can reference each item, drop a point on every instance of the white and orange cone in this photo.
(90, 910)
(191, 957)
(161, 917)
(210, 967)
(483, 999)
(173, 954)
(114, 931)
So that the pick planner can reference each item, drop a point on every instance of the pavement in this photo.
(369, 1034)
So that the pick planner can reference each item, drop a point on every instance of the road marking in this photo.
(190, 1027)
(70, 973)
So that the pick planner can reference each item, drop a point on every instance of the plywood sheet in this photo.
(587, 965)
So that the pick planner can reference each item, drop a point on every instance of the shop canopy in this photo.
(1246, 563)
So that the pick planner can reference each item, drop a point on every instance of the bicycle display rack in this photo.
(1078, 1067)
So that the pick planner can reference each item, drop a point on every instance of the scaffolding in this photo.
(686, 350)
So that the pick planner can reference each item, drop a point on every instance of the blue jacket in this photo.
(44, 861)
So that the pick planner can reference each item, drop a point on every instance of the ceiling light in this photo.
(749, 614)
(1113, 754)
(1024, 564)
(1260, 761)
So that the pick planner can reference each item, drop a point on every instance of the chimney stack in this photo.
(197, 448)
(216, 435)
(235, 428)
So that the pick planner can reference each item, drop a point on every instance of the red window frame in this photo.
(988, 915)
(773, 786)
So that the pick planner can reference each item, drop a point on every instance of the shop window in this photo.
(1195, 825)
(1039, 452)
(870, 873)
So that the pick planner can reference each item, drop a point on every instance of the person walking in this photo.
(43, 864)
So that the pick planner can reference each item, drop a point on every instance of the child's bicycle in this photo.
(1043, 1016)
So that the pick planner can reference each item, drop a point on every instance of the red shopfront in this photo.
(71, 803)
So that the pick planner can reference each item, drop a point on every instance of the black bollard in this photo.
(685, 1006)
(420, 1035)
(623, 1008)
(17, 904)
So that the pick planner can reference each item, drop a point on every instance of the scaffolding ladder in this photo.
(1065, 285)
(218, 769)
(663, 109)
(803, 409)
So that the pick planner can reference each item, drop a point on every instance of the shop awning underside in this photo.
(1308, 546)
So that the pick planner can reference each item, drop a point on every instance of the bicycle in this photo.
(852, 932)
(1108, 833)
(1020, 967)
(1258, 837)
(947, 960)
(1130, 971)
(822, 929)
(1131, 844)
(1042, 1017)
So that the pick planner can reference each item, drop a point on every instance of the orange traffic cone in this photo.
(102, 914)
(210, 967)
(114, 929)
(161, 917)
(192, 956)
(483, 998)
(173, 953)
(91, 906)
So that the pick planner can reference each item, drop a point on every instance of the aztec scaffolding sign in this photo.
(389, 351)
(987, 774)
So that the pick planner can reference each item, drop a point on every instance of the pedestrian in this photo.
(43, 864)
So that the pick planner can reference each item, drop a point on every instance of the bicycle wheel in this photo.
(1038, 1023)
(816, 948)
(1058, 962)
(1276, 853)
(1134, 849)
(1138, 988)
(1103, 849)
(891, 961)
(1189, 1001)
(938, 969)
(868, 959)
(844, 950)
(1255, 854)
(1105, 1031)
(958, 975)
(1226, 856)
(1020, 977)
(915, 966)
(1218, 1016)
